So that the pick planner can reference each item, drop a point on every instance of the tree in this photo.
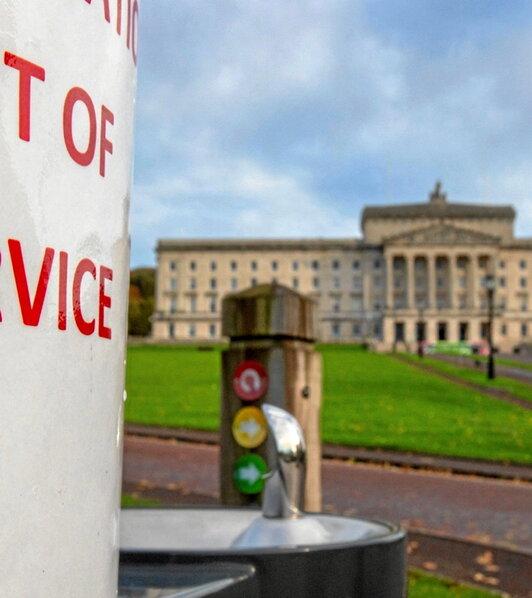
(141, 301)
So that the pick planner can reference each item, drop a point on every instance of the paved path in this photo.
(486, 510)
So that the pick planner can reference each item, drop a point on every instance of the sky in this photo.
(284, 118)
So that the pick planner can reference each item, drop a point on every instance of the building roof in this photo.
(438, 207)
(259, 244)
(438, 210)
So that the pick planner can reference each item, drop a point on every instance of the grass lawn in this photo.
(369, 400)
(478, 376)
(374, 400)
(421, 585)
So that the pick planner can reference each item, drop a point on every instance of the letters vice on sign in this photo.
(70, 280)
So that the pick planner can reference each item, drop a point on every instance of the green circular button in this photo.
(248, 472)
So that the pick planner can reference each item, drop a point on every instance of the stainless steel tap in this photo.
(284, 490)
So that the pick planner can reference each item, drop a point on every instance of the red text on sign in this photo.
(27, 71)
(85, 272)
(132, 19)
(84, 156)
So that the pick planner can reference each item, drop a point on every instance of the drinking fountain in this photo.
(279, 551)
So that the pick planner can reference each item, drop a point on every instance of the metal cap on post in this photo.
(270, 359)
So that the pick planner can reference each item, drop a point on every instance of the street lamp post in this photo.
(490, 288)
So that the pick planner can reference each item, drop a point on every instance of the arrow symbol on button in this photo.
(250, 427)
(249, 474)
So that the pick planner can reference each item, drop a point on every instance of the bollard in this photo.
(67, 77)
(271, 359)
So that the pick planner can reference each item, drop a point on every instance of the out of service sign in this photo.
(67, 79)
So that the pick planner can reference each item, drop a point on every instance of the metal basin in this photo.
(315, 555)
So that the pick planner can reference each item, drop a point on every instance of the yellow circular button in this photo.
(249, 427)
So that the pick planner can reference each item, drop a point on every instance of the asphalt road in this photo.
(467, 507)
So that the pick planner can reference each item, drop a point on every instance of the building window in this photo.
(399, 302)
(192, 283)
(398, 265)
(192, 266)
(440, 282)
(171, 330)
(462, 302)
(212, 305)
(504, 330)
(275, 265)
(213, 266)
(315, 283)
(336, 305)
(398, 282)
(522, 282)
(173, 305)
(399, 331)
(336, 282)
(173, 266)
(274, 280)
(357, 283)
(315, 265)
(192, 330)
(377, 329)
(522, 264)
(335, 330)
(253, 282)
(420, 283)
(356, 265)
(502, 302)
(336, 265)
(295, 265)
(254, 266)
(463, 330)
(234, 266)
(173, 284)
(462, 282)
(212, 283)
(524, 330)
(357, 330)
(192, 304)
(377, 282)
(377, 305)
(442, 331)
(441, 303)
(295, 283)
(357, 303)
(502, 281)
(524, 303)
(212, 330)
(502, 264)
(234, 284)
(377, 264)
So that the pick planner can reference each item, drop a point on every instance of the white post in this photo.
(67, 77)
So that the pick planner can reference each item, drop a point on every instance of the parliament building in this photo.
(418, 273)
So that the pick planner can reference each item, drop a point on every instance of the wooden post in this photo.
(272, 329)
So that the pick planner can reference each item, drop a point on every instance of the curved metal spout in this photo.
(285, 485)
